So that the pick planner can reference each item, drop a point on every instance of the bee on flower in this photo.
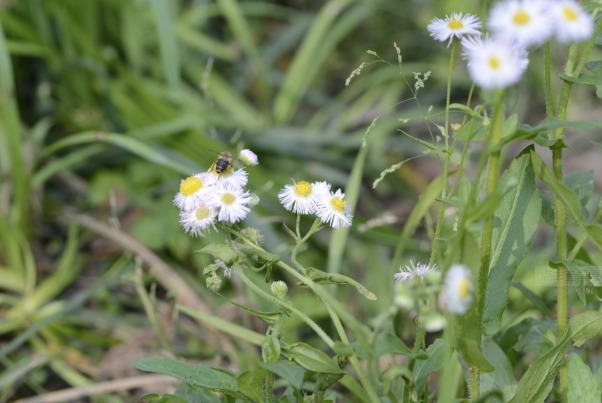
(218, 195)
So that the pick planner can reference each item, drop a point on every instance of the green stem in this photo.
(329, 342)
(448, 153)
(494, 149)
(326, 299)
(572, 69)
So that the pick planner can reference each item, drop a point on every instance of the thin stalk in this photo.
(316, 328)
(325, 297)
(571, 69)
(448, 153)
(494, 149)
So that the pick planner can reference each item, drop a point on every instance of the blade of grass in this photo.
(10, 139)
(168, 42)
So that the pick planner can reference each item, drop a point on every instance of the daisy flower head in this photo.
(525, 22)
(192, 190)
(571, 22)
(248, 157)
(300, 197)
(457, 289)
(332, 210)
(196, 222)
(454, 26)
(494, 62)
(231, 202)
(410, 271)
(234, 178)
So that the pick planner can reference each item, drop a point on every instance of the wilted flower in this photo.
(410, 271)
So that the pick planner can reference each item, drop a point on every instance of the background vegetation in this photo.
(107, 104)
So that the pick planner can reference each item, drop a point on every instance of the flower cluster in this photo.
(499, 60)
(316, 198)
(218, 195)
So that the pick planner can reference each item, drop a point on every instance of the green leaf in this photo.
(167, 398)
(313, 359)
(250, 383)
(151, 154)
(334, 278)
(537, 382)
(502, 378)
(225, 253)
(268, 317)
(287, 370)
(193, 374)
(579, 276)
(434, 362)
(585, 326)
(517, 219)
(568, 198)
(388, 343)
(583, 384)
(271, 348)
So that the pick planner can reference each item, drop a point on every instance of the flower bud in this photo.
(279, 289)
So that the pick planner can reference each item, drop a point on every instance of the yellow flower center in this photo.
(521, 18)
(455, 24)
(463, 288)
(337, 204)
(190, 186)
(228, 198)
(494, 63)
(202, 212)
(569, 13)
(303, 188)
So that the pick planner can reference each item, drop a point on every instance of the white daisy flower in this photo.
(333, 210)
(409, 272)
(302, 197)
(457, 289)
(192, 190)
(571, 22)
(248, 157)
(454, 26)
(494, 62)
(230, 201)
(526, 23)
(235, 178)
(196, 222)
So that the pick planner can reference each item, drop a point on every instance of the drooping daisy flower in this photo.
(571, 22)
(457, 289)
(302, 197)
(192, 190)
(409, 272)
(454, 26)
(524, 22)
(230, 201)
(196, 222)
(235, 178)
(248, 157)
(494, 62)
(333, 210)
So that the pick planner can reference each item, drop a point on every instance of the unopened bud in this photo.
(279, 289)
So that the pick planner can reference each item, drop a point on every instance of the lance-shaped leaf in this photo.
(516, 221)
